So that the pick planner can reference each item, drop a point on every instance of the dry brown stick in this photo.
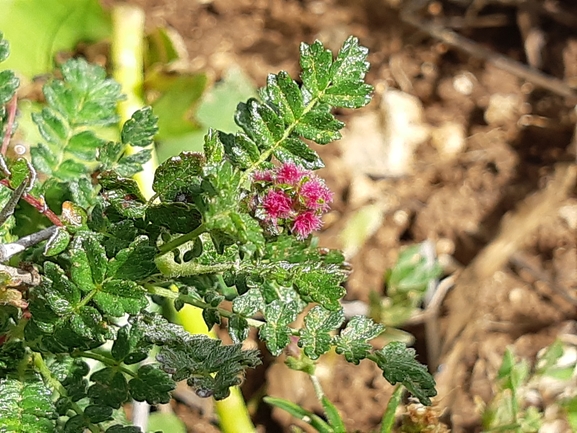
(464, 327)
(538, 78)
(512, 233)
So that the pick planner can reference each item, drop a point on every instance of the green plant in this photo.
(86, 255)
(523, 391)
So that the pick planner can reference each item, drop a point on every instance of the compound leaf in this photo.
(109, 388)
(152, 385)
(353, 340)
(276, 332)
(399, 365)
(141, 128)
(26, 406)
(318, 324)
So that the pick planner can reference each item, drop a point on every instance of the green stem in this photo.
(195, 302)
(103, 359)
(52, 382)
(175, 243)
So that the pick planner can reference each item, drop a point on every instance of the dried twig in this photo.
(538, 78)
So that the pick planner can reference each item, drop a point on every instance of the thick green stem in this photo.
(181, 240)
(53, 383)
(103, 359)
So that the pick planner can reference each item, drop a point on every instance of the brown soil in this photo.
(516, 136)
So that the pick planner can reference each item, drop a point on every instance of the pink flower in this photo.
(316, 194)
(290, 174)
(306, 223)
(277, 204)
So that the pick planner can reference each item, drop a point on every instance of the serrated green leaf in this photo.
(57, 243)
(51, 126)
(8, 85)
(108, 154)
(135, 262)
(75, 424)
(86, 323)
(129, 346)
(285, 94)
(353, 340)
(249, 303)
(213, 147)
(110, 180)
(316, 64)
(85, 145)
(26, 406)
(70, 170)
(298, 152)
(89, 262)
(141, 128)
(87, 97)
(320, 126)
(131, 164)
(176, 217)
(241, 150)
(399, 366)
(21, 172)
(152, 385)
(97, 413)
(238, 329)
(321, 284)
(197, 357)
(63, 295)
(177, 177)
(82, 192)
(119, 297)
(43, 159)
(276, 332)
(109, 388)
(318, 324)
(260, 123)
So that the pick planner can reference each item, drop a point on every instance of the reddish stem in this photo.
(11, 106)
(37, 204)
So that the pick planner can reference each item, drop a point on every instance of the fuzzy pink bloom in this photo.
(277, 204)
(316, 194)
(290, 174)
(306, 223)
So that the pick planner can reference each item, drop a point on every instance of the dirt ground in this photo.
(484, 167)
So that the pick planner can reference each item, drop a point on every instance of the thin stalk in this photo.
(195, 302)
(127, 54)
(52, 382)
(127, 58)
(103, 359)
(169, 246)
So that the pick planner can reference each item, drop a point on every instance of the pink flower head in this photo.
(316, 194)
(306, 223)
(277, 204)
(290, 174)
